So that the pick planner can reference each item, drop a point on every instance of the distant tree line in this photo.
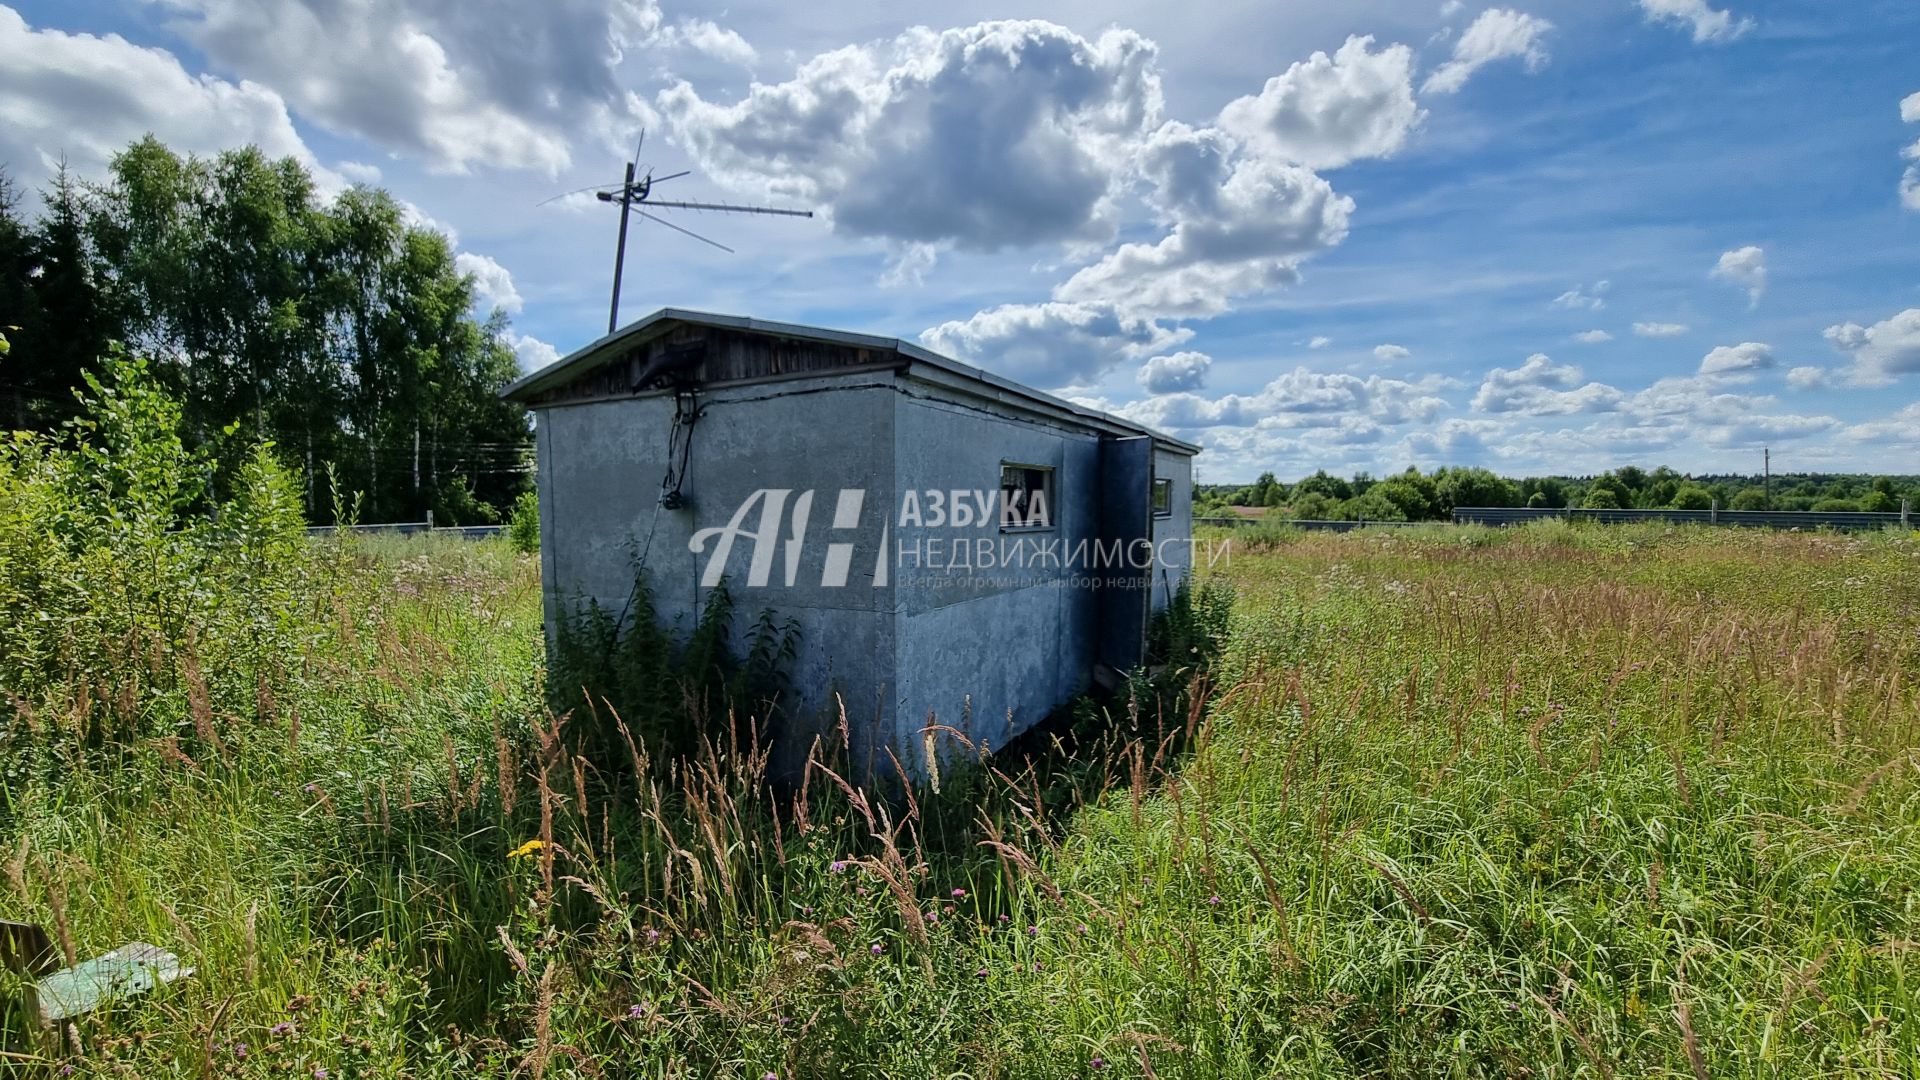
(339, 330)
(1417, 496)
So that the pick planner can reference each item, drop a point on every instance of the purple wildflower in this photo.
(1214, 900)
(1033, 931)
(1098, 1062)
(653, 936)
(319, 1072)
(837, 866)
(958, 893)
(1082, 928)
(635, 1012)
(877, 949)
(281, 1028)
(240, 1050)
(933, 916)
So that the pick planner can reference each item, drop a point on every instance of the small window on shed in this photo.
(1162, 497)
(1026, 496)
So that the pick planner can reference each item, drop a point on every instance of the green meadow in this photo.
(1560, 801)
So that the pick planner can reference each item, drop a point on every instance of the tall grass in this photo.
(1560, 801)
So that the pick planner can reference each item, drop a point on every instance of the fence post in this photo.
(429, 521)
(1713, 515)
(1906, 511)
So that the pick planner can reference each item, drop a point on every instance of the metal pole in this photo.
(1906, 511)
(620, 253)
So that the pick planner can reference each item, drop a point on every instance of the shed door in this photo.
(1126, 517)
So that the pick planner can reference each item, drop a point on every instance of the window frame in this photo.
(1161, 483)
(1049, 485)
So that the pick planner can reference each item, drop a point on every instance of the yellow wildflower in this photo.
(527, 848)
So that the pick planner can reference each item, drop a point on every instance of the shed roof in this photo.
(618, 343)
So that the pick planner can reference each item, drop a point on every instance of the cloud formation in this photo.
(1747, 268)
(1326, 111)
(1735, 359)
(1001, 134)
(1498, 34)
(1707, 24)
(1540, 387)
(86, 97)
(456, 85)
(1052, 344)
(1182, 371)
(1584, 297)
(492, 284)
(1881, 352)
(1659, 329)
(1910, 180)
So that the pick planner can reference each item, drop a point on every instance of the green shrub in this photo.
(523, 528)
(1692, 497)
(117, 570)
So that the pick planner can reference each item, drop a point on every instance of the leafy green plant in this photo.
(523, 528)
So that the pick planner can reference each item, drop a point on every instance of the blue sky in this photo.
(1546, 236)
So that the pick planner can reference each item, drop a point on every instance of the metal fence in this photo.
(411, 528)
(1843, 521)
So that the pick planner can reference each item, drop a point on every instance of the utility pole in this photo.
(620, 253)
(1766, 479)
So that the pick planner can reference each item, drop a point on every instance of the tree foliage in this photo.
(1414, 495)
(338, 330)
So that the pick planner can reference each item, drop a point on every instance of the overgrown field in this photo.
(1549, 803)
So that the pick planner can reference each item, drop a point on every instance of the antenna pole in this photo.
(620, 253)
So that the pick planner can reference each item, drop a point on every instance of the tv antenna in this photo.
(635, 196)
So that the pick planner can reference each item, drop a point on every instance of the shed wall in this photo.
(601, 466)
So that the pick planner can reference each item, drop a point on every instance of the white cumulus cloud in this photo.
(1733, 359)
(85, 98)
(996, 135)
(1910, 180)
(1593, 337)
(706, 36)
(532, 353)
(1707, 23)
(1745, 267)
(1052, 344)
(492, 284)
(1391, 352)
(1807, 378)
(1880, 352)
(1498, 34)
(1326, 111)
(1182, 371)
(1540, 387)
(456, 84)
